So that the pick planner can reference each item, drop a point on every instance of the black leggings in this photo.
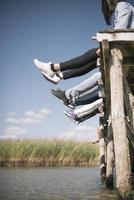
(79, 72)
(80, 65)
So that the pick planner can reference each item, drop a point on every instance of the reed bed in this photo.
(45, 153)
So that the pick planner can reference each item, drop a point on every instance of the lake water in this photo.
(70, 183)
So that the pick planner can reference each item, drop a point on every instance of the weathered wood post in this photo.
(102, 145)
(117, 63)
(110, 157)
(121, 147)
(129, 108)
(109, 137)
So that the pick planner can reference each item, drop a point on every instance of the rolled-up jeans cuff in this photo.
(71, 96)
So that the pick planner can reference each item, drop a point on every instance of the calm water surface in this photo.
(52, 184)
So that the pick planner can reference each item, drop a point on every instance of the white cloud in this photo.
(33, 115)
(14, 132)
(11, 114)
(29, 117)
(45, 111)
(11, 137)
(81, 133)
(12, 120)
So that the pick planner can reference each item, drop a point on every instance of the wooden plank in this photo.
(121, 146)
(121, 36)
(117, 31)
(102, 145)
(110, 157)
(130, 133)
(129, 103)
(128, 62)
(106, 67)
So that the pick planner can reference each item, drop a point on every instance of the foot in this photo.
(55, 79)
(60, 95)
(72, 116)
(44, 67)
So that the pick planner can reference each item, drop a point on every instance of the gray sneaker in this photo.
(60, 95)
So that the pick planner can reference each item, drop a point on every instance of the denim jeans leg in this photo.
(123, 16)
(88, 116)
(87, 97)
(88, 109)
(83, 86)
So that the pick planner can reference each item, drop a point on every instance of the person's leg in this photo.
(123, 16)
(85, 112)
(85, 98)
(78, 72)
(84, 86)
(84, 92)
(77, 120)
(86, 117)
(73, 101)
(79, 61)
(87, 109)
(81, 94)
(88, 97)
(52, 71)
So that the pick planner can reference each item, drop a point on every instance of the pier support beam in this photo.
(121, 146)
(102, 144)
(110, 157)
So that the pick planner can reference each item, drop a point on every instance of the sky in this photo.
(50, 30)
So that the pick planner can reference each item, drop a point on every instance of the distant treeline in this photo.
(46, 153)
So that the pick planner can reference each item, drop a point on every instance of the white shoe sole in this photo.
(48, 78)
(70, 117)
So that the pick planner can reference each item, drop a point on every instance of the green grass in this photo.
(49, 152)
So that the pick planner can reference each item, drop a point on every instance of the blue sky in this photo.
(50, 30)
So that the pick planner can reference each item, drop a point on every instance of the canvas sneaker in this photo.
(55, 79)
(60, 94)
(72, 116)
(44, 67)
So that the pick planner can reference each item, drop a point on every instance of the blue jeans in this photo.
(87, 111)
(88, 116)
(123, 16)
(85, 92)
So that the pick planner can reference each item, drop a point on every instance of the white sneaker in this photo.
(44, 67)
(55, 79)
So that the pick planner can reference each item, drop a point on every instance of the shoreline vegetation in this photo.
(47, 153)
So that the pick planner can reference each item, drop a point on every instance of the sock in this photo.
(52, 68)
(55, 67)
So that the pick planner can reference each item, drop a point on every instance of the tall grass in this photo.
(47, 153)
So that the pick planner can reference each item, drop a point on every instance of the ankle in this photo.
(55, 67)
(52, 68)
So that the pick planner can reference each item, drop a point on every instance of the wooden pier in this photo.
(117, 122)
